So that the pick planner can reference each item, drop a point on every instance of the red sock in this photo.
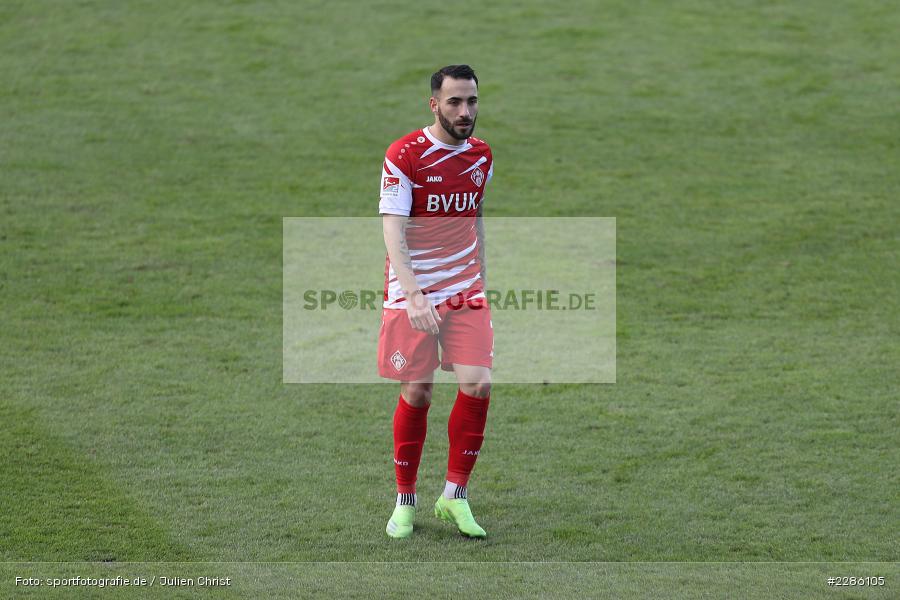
(410, 425)
(466, 430)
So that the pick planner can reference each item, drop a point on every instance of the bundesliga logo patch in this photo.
(390, 186)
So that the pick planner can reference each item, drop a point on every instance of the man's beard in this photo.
(452, 131)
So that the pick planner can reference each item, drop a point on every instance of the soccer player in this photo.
(432, 195)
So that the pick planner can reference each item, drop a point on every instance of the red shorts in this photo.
(466, 337)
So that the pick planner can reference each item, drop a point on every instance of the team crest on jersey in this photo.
(390, 186)
(477, 177)
(398, 360)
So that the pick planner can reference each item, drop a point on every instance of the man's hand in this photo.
(422, 315)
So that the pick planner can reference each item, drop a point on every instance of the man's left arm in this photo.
(479, 231)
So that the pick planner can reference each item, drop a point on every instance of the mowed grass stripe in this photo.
(58, 505)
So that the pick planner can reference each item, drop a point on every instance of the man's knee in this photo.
(478, 389)
(416, 394)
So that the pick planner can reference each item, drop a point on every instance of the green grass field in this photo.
(748, 150)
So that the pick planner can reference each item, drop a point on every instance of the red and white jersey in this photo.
(424, 179)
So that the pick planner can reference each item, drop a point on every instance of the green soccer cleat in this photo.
(458, 512)
(401, 524)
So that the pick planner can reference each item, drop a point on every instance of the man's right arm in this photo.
(422, 315)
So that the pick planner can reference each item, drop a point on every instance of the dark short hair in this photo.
(454, 71)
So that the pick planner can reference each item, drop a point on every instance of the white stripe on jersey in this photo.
(478, 163)
(418, 252)
(439, 296)
(463, 148)
(431, 263)
(426, 281)
(434, 148)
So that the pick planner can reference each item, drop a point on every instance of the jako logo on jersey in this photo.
(390, 186)
(434, 178)
(459, 202)
(477, 177)
(401, 463)
(471, 452)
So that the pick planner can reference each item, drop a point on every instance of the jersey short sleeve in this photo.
(396, 182)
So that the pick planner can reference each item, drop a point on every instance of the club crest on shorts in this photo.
(390, 186)
(477, 177)
(398, 360)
